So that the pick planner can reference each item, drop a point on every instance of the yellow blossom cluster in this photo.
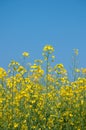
(2, 73)
(25, 54)
(48, 48)
(37, 98)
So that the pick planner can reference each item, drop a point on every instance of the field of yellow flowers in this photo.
(40, 96)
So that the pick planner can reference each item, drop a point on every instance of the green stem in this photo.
(47, 65)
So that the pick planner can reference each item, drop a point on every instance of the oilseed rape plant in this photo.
(40, 96)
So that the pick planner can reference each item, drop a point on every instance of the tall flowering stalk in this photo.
(75, 62)
(13, 66)
(47, 51)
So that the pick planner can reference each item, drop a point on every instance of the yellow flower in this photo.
(71, 115)
(15, 125)
(60, 66)
(53, 57)
(76, 51)
(21, 69)
(2, 73)
(0, 114)
(48, 48)
(77, 70)
(83, 70)
(25, 54)
(34, 66)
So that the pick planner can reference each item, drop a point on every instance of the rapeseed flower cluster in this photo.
(37, 98)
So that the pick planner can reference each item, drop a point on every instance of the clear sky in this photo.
(28, 25)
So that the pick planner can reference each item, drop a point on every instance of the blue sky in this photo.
(28, 25)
